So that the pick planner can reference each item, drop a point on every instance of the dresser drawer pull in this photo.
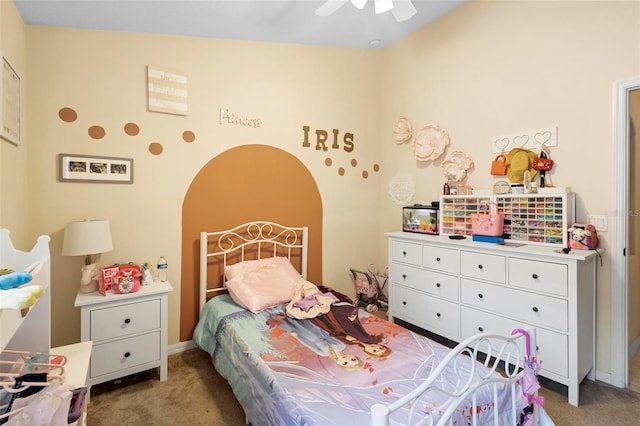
(127, 354)
(404, 276)
(480, 295)
(479, 266)
(404, 253)
(438, 285)
(438, 314)
(404, 303)
(127, 320)
(535, 309)
(480, 329)
(534, 276)
(437, 259)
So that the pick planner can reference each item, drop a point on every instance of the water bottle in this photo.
(162, 269)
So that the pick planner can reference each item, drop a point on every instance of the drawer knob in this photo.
(480, 295)
(404, 276)
(404, 253)
(127, 354)
(437, 259)
(404, 303)
(127, 320)
(438, 314)
(438, 285)
(479, 266)
(480, 329)
(535, 309)
(534, 276)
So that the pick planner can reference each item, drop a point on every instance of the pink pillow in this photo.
(237, 269)
(270, 285)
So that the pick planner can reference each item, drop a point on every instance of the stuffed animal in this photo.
(20, 298)
(14, 279)
(583, 237)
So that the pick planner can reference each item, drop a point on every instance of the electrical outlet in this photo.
(599, 221)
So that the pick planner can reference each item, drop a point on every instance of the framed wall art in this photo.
(9, 103)
(82, 168)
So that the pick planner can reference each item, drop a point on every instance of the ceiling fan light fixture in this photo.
(403, 10)
(382, 6)
(359, 3)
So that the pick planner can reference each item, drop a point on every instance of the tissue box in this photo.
(420, 219)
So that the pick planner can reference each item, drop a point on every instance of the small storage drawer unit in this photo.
(537, 219)
(457, 288)
(128, 331)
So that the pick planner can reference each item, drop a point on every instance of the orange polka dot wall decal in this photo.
(96, 132)
(328, 162)
(354, 162)
(365, 174)
(188, 136)
(155, 148)
(341, 171)
(67, 115)
(131, 129)
(376, 167)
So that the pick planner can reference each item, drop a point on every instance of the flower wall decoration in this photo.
(403, 130)
(456, 166)
(430, 142)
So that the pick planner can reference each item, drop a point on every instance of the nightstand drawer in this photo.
(125, 353)
(124, 320)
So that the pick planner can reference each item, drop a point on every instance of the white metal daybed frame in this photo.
(498, 353)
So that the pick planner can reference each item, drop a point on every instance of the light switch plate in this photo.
(599, 221)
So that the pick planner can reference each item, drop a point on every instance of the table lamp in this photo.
(86, 238)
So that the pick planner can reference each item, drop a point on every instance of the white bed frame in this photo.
(504, 354)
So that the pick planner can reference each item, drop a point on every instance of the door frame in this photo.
(619, 241)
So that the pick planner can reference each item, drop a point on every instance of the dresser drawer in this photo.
(434, 314)
(532, 308)
(539, 276)
(123, 320)
(441, 259)
(406, 253)
(483, 266)
(125, 353)
(442, 285)
(552, 347)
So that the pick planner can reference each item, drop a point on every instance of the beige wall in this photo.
(498, 68)
(101, 75)
(14, 172)
(487, 69)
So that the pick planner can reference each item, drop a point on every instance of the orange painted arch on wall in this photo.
(244, 184)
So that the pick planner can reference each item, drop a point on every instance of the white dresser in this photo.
(129, 331)
(457, 288)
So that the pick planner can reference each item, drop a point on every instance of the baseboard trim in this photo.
(180, 347)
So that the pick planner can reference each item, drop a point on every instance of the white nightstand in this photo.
(129, 331)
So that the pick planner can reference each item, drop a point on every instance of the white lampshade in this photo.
(87, 237)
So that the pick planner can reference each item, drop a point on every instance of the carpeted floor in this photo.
(195, 394)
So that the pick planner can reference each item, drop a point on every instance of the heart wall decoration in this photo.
(530, 139)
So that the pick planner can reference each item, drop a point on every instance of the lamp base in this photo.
(89, 281)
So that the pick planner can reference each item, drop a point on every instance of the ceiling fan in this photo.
(402, 10)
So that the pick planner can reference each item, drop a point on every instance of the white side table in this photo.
(129, 331)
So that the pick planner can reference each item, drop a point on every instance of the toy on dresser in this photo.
(583, 237)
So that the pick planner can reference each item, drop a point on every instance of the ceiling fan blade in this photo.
(403, 10)
(329, 7)
(382, 6)
(359, 3)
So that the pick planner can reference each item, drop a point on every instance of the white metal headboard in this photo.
(261, 239)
